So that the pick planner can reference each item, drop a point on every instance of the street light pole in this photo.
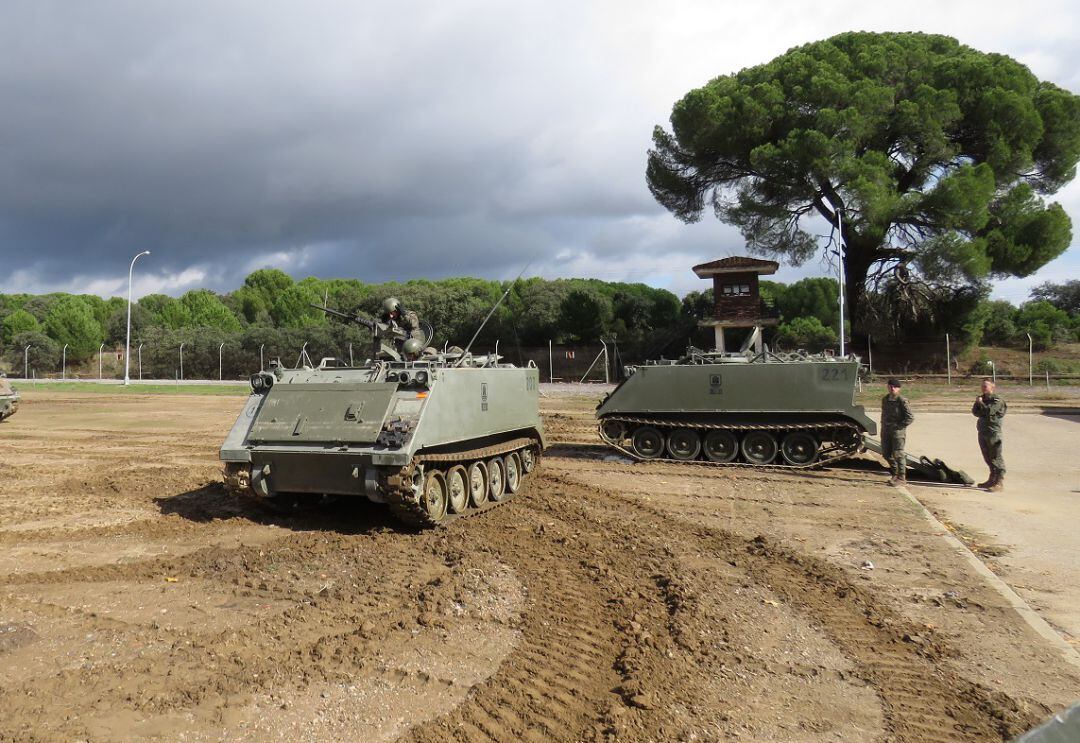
(140, 362)
(63, 363)
(219, 350)
(127, 346)
(100, 353)
(840, 268)
(261, 366)
(839, 263)
(181, 362)
(26, 362)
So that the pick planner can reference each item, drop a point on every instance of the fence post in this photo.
(948, 360)
(1031, 370)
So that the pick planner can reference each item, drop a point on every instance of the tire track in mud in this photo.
(922, 698)
(554, 684)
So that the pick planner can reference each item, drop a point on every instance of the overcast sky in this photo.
(397, 140)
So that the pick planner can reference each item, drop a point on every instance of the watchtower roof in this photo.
(735, 264)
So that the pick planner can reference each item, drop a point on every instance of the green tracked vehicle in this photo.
(765, 410)
(9, 399)
(434, 436)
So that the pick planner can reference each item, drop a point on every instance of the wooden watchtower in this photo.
(736, 297)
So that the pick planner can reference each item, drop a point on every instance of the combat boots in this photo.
(998, 484)
(988, 482)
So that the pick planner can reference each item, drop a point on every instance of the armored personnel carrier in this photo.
(432, 435)
(762, 409)
(9, 399)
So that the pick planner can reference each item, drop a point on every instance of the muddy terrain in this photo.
(608, 600)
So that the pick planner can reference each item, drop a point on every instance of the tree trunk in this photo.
(859, 260)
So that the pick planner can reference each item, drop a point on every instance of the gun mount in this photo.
(388, 338)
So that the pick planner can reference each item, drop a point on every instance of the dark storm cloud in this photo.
(358, 139)
(214, 135)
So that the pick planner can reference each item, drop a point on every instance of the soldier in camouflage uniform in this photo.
(990, 409)
(407, 320)
(895, 418)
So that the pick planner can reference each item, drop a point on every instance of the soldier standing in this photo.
(990, 409)
(895, 418)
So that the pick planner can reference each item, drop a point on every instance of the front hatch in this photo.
(323, 413)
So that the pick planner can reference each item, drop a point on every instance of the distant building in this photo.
(737, 299)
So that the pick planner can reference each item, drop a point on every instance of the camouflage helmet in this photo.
(413, 347)
(391, 304)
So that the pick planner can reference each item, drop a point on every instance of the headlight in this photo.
(421, 377)
(403, 377)
(261, 382)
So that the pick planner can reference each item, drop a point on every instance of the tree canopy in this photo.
(71, 321)
(1064, 296)
(930, 157)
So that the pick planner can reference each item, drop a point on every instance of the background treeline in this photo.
(271, 312)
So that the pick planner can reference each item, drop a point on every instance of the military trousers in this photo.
(991, 447)
(892, 448)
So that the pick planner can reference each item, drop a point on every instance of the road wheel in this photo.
(614, 431)
(478, 484)
(496, 479)
(721, 446)
(648, 442)
(528, 460)
(434, 500)
(847, 439)
(457, 489)
(799, 448)
(682, 443)
(512, 465)
(759, 447)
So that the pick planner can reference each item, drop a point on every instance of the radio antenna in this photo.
(490, 313)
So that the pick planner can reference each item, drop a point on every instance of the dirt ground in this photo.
(609, 600)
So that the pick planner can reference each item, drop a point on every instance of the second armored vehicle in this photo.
(432, 435)
(9, 399)
(763, 409)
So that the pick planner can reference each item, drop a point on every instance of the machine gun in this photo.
(387, 338)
